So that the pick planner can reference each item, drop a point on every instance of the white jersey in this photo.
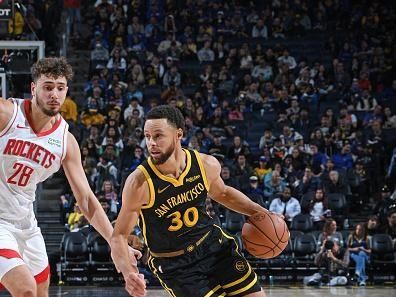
(26, 159)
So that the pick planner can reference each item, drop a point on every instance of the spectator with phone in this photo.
(359, 248)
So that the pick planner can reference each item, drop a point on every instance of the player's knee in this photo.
(27, 289)
(28, 293)
(42, 289)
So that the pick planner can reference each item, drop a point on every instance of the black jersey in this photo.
(175, 215)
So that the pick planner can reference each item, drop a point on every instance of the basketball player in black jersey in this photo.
(190, 255)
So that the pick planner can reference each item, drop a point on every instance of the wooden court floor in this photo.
(88, 291)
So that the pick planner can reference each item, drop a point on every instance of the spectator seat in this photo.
(234, 221)
(302, 222)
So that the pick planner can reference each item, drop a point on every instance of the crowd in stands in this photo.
(291, 126)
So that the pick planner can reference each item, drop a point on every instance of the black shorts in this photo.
(214, 268)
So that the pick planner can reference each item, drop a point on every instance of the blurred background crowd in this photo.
(285, 115)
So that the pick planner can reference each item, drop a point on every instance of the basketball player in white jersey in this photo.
(34, 143)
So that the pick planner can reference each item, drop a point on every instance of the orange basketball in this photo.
(265, 235)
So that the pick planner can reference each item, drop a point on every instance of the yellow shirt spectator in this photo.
(92, 117)
(18, 22)
(262, 169)
(260, 173)
(74, 217)
(69, 110)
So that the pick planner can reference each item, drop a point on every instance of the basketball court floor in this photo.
(283, 291)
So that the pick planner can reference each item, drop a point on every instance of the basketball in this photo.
(265, 235)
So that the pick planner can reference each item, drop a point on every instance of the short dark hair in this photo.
(172, 114)
(329, 244)
(53, 67)
(392, 210)
(104, 200)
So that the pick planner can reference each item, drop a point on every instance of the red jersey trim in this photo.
(40, 278)
(43, 275)
(9, 254)
(27, 104)
(11, 122)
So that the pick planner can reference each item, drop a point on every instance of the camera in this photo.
(329, 245)
(241, 97)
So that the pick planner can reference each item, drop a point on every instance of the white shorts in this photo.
(23, 247)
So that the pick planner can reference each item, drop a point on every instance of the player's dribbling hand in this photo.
(134, 255)
(135, 284)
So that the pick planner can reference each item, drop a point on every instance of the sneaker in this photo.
(342, 281)
(313, 282)
(356, 276)
(362, 284)
(338, 281)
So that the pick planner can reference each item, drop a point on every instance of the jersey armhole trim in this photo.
(151, 187)
(142, 224)
(11, 121)
(201, 166)
(64, 143)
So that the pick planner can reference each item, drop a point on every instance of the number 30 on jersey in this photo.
(188, 219)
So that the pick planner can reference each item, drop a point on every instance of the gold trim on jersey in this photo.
(151, 187)
(238, 281)
(229, 237)
(163, 284)
(144, 228)
(189, 249)
(247, 287)
(176, 182)
(203, 171)
(211, 292)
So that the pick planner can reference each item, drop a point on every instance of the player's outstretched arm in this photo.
(134, 195)
(225, 195)
(6, 110)
(89, 204)
(86, 199)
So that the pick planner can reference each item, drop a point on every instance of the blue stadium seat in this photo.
(301, 222)
(234, 221)
(101, 268)
(74, 260)
(338, 205)
(304, 250)
(383, 259)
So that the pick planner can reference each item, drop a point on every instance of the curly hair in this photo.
(172, 114)
(53, 67)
